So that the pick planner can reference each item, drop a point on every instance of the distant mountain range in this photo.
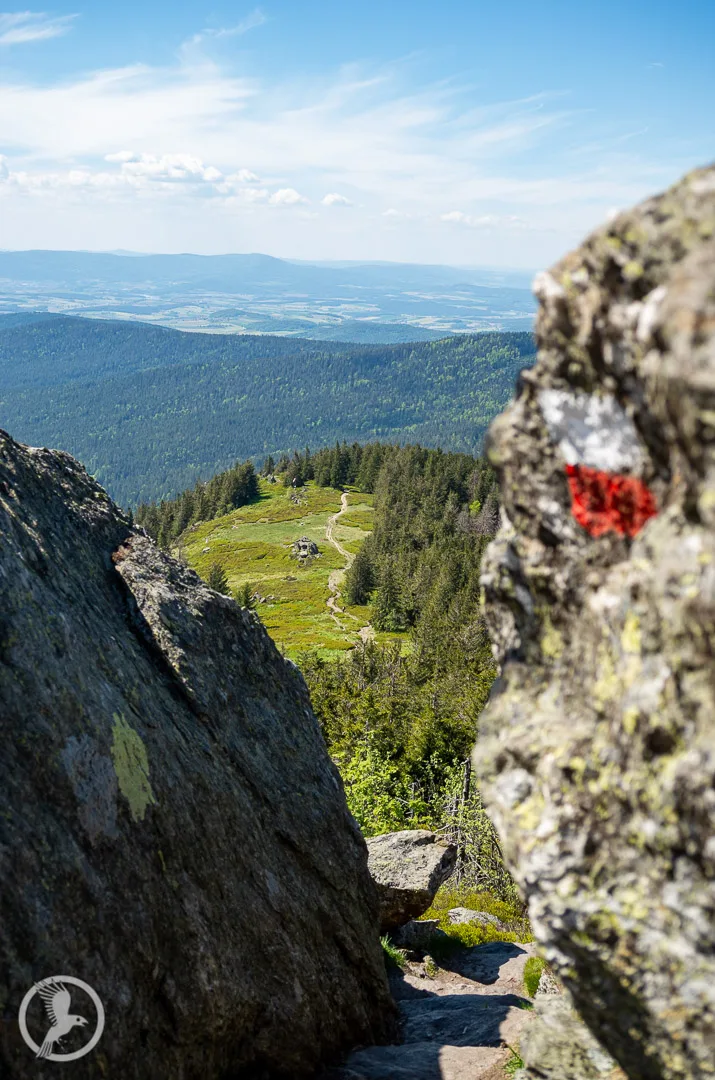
(361, 302)
(150, 410)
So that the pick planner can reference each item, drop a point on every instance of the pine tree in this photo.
(217, 579)
(244, 596)
(359, 580)
(386, 611)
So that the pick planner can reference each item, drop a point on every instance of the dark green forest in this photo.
(150, 411)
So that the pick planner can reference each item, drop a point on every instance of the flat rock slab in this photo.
(408, 868)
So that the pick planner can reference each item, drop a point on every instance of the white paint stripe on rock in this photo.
(592, 430)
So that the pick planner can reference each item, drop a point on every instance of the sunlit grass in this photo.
(516, 925)
(253, 546)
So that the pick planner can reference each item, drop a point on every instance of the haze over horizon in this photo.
(478, 136)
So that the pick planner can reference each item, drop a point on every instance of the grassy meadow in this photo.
(253, 545)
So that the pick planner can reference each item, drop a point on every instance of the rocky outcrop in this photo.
(597, 752)
(408, 867)
(305, 548)
(172, 830)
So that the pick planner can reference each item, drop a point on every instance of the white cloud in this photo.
(21, 27)
(192, 49)
(243, 176)
(334, 199)
(229, 147)
(484, 221)
(286, 197)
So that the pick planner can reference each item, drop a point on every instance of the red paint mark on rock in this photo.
(605, 502)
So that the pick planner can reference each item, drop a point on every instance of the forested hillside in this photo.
(399, 683)
(150, 410)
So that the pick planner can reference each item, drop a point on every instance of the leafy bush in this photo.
(509, 912)
(378, 796)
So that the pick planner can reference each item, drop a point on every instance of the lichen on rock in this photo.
(597, 749)
(172, 829)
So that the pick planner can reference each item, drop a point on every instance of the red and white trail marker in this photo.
(603, 454)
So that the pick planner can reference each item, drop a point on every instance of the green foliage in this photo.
(378, 795)
(359, 579)
(150, 411)
(392, 953)
(510, 913)
(533, 969)
(244, 595)
(168, 520)
(217, 579)
(514, 1064)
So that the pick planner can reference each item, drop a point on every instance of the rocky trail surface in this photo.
(459, 1019)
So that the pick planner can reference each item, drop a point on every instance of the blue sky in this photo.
(456, 132)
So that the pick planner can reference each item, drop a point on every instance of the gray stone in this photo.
(304, 548)
(417, 934)
(597, 749)
(172, 830)
(467, 915)
(408, 867)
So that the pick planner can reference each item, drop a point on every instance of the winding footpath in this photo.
(365, 632)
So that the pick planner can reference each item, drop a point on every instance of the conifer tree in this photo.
(359, 579)
(244, 596)
(217, 579)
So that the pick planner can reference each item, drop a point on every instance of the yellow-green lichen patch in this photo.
(631, 636)
(131, 765)
(552, 644)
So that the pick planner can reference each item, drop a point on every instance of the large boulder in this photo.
(597, 750)
(408, 867)
(172, 831)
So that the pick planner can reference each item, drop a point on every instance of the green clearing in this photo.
(253, 545)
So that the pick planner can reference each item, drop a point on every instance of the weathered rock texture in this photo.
(408, 867)
(598, 748)
(172, 830)
(557, 1045)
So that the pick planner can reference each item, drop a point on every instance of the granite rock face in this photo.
(597, 750)
(172, 830)
(408, 867)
